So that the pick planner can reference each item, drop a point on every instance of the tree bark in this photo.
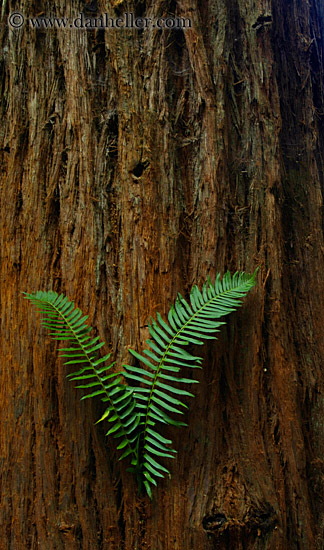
(134, 164)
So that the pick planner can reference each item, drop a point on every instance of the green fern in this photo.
(134, 412)
(188, 324)
(66, 323)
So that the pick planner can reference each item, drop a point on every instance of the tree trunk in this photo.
(135, 163)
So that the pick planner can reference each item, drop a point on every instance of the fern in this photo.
(166, 356)
(66, 323)
(136, 412)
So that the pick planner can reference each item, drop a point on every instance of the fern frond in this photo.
(66, 323)
(135, 412)
(165, 357)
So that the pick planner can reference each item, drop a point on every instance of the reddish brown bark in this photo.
(133, 165)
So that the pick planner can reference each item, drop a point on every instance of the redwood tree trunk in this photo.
(134, 164)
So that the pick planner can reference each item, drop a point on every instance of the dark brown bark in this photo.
(133, 165)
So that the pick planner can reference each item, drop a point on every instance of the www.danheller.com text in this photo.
(128, 20)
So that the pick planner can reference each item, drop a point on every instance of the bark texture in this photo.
(134, 164)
